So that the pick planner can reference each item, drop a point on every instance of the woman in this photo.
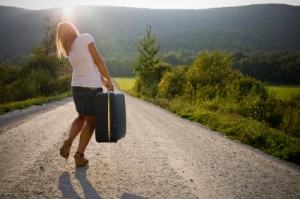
(86, 62)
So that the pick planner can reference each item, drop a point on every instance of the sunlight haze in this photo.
(68, 5)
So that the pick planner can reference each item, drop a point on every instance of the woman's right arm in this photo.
(100, 65)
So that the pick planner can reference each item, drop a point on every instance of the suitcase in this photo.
(110, 116)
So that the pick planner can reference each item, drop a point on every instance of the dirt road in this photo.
(162, 156)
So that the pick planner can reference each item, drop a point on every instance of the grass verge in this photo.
(4, 108)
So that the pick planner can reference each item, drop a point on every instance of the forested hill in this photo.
(117, 29)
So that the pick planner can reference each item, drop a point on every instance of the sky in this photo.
(155, 4)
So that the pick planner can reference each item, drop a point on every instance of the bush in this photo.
(172, 83)
(64, 83)
(290, 122)
(251, 87)
(8, 75)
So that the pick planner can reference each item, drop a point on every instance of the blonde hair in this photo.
(65, 35)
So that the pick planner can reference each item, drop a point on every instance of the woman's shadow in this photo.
(67, 189)
(65, 185)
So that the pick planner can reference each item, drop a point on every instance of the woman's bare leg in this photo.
(86, 133)
(76, 127)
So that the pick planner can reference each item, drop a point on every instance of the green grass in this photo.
(4, 108)
(285, 92)
(125, 84)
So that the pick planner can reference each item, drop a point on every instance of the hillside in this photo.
(266, 27)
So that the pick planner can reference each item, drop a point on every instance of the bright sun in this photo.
(68, 10)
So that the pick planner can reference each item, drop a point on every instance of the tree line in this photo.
(273, 67)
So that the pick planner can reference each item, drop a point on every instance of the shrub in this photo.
(64, 83)
(291, 121)
(249, 86)
(172, 83)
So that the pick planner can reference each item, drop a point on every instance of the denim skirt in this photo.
(84, 99)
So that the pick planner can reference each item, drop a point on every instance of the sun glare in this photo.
(68, 10)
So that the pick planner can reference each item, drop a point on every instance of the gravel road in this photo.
(162, 156)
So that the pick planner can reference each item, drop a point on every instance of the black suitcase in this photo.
(110, 116)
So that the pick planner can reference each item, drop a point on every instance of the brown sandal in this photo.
(80, 160)
(65, 149)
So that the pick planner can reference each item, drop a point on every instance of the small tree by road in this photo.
(149, 68)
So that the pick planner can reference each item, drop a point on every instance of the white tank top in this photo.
(85, 71)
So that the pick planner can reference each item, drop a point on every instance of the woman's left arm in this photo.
(100, 64)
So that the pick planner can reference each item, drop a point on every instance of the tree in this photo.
(47, 46)
(149, 67)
